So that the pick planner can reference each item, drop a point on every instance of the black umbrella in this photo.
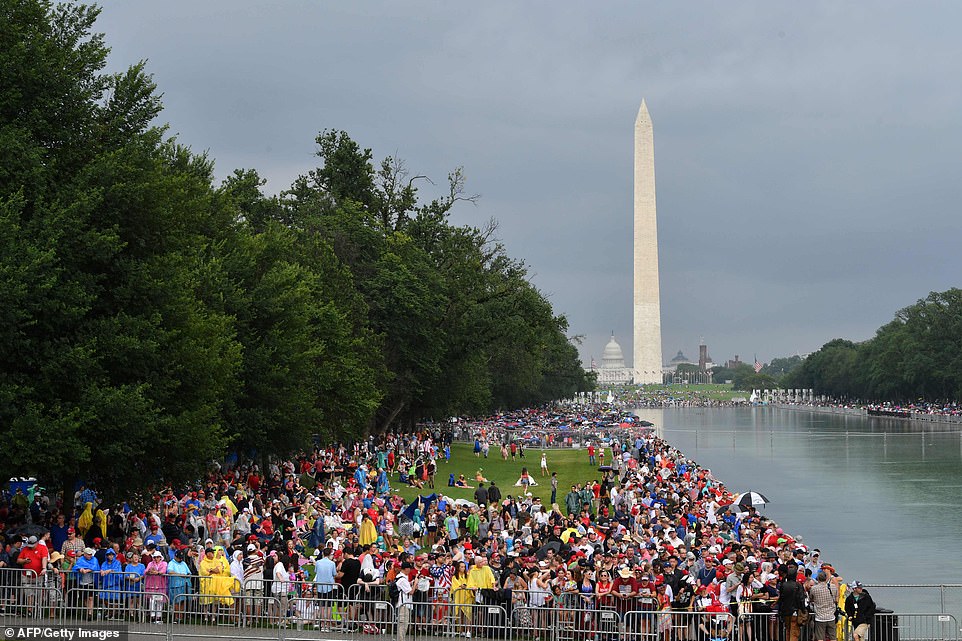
(543, 550)
(734, 508)
(29, 529)
(604, 468)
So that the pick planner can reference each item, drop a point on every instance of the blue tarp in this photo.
(408, 511)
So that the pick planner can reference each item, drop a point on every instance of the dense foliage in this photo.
(152, 319)
(915, 356)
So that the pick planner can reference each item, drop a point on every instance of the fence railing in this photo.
(309, 615)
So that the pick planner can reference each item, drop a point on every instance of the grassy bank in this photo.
(571, 465)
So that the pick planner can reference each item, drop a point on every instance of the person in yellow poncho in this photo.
(368, 533)
(461, 596)
(102, 523)
(480, 576)
(216, 580)
(86, 519)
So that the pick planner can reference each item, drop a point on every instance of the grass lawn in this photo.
(571, 465)
(715, 391)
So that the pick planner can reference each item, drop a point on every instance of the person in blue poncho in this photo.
(134, 581)
(111, 586)
(383, 485)
(87, 569)
(178, 583)
(360, 476)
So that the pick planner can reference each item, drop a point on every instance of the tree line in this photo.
(153, 319)
(915, 356)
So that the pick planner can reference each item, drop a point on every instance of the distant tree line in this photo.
(152, 319)
(915, 356)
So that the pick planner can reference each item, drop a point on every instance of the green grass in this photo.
(715, 391)
(571, 465)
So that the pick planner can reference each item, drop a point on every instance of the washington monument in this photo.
(647, 308)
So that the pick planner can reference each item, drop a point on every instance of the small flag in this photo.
(758, 366)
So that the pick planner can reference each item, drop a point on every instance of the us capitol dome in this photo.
(612, 370)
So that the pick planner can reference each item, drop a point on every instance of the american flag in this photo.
(758, 366)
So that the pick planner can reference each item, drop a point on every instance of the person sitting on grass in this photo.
(462, 483)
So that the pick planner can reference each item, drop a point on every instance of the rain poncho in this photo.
(216, 580)
(86, 519)
(112, 582)
(368, 534)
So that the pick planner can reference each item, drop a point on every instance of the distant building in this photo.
(732, 364)
(704, 360)
(679, 359)
(612, 370)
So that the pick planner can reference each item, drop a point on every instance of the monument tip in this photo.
(643, 111)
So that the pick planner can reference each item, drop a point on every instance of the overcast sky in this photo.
(807, 156)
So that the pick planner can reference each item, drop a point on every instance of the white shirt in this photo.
(280, 579)
(404, 587)
(367, 566)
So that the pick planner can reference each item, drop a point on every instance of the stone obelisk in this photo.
(647, 307)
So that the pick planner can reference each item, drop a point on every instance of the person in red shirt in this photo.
(591, 454)
(33, 558)
(624, 590)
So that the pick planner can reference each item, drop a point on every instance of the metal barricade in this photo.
(314, 618)
(24, 596)
(669, 625)
(454, 618)
(896, 626)
(204, 616)
(367, 592)
(143, 613)
(769, 626)
(580, 623)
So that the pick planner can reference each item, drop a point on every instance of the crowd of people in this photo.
(320, 537)
(919, 408)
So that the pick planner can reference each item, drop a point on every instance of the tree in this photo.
(116, 356)
(779, 367)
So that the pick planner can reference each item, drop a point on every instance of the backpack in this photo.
(393, 593)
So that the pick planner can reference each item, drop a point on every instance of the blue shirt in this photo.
(58, 535)
(324, 571)
(134, 577)
(83, 563)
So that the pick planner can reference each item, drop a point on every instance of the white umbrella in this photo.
(751, 499)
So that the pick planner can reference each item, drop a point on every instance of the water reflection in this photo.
(879, 497)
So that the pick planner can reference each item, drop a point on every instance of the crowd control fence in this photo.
(336, 616)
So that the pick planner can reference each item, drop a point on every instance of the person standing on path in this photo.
(791, 601)
(544, 465)
(860, 608)
(554, 488)
(823, 596)
(405, 599)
